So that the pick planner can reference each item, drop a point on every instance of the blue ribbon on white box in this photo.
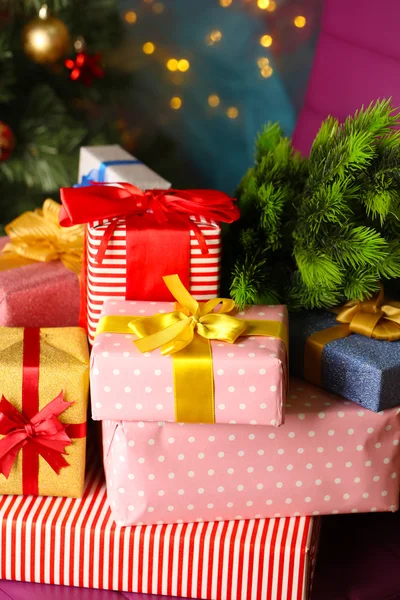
(99, 175)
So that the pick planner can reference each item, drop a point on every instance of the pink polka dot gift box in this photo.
(329, 457)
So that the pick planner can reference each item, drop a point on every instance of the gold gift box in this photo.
(63, 366)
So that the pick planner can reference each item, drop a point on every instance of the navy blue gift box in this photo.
(357, 368)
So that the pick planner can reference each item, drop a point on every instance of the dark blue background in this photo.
(198, 145)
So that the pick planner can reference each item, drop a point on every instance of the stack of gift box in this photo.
(217, 464)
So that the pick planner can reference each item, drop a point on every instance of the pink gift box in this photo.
(250, 376)
(39, 295)
(330, 456)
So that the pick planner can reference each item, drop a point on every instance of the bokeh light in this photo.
(214, 36)
(300, 21)
(213, 100)
(263, 4)
(148, 48)
(232, 112)
(266, 41)
(263, 61)
(175, 102)
(267, 71)
(172, 64)
(225, 3)
(130, 17)
(183, 65)
(158, 8)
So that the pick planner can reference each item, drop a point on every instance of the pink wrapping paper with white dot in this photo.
(250, 376)
(330, 457)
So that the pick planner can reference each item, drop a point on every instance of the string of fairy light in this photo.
(178, 65)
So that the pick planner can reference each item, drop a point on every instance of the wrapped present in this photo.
(75, 542)
(329, 457)
(39, 267)
(135, 237)
(354, 353)
(114, 164)
(44, 386)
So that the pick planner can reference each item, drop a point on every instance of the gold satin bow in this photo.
(36, 236)
(372, 318)
(185, 334)
(174, 331)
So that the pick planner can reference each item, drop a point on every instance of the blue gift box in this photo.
(357, 368)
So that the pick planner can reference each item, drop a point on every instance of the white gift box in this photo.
(93, 162)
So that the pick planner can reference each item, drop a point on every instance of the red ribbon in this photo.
(35, 433)
(153, 249)
(104, 201)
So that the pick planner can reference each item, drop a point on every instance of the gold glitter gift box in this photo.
(44, 388)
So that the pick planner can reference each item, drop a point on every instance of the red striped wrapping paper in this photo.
(69, 541)
(108, 280)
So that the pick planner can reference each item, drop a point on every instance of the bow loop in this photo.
(44, 430)
(174, 331)
(372, 318)
(37, 236)
(108, 201)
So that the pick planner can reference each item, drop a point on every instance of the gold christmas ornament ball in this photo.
(45, 40)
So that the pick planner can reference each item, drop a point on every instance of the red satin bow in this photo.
(114, 201)
(44, 432)
(105, 201)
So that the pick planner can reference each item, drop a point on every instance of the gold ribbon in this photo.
(36, 236)
(186, 334)
(372, 318)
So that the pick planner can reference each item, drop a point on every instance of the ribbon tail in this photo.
(106, 238)
(200, 238)
(314, 347)
(53, 458)
(10, 445)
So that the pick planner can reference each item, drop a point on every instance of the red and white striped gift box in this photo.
(69, 541)
(108, 279)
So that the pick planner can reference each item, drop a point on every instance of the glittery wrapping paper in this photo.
(64, 366)
(330, 457)
(358, 368)
(39, 295)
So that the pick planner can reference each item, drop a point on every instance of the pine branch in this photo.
(389, 267)
(358, 247)
(317, 266)
(267, 195)
(328, 204)
(361, 284)
(43, 157)
(327, 229)
(251, 282)
(267, 140)
(379, 118)
(319, 296)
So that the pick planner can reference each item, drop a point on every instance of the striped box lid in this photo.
(69, 541)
